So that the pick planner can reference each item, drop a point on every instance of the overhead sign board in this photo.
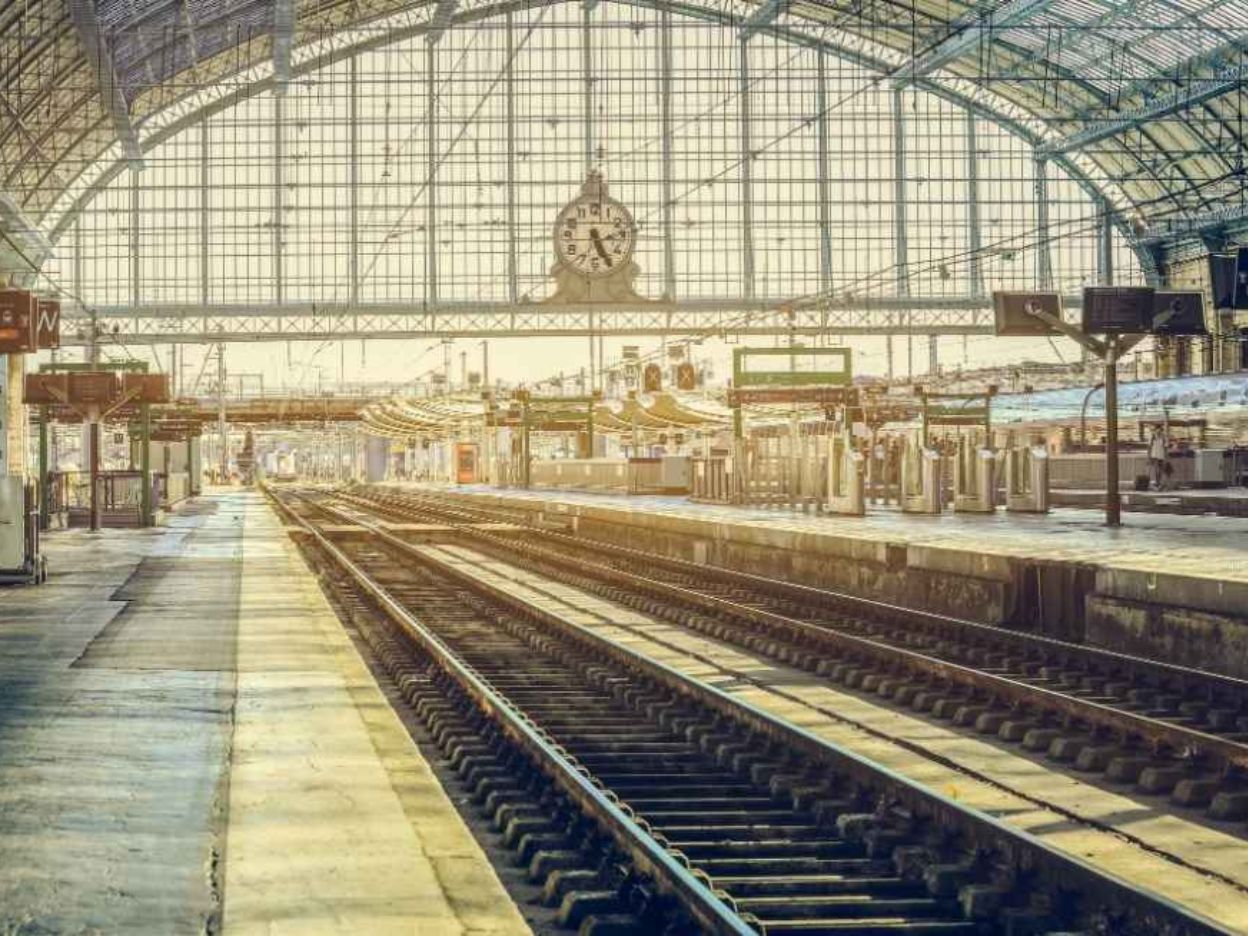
(1178, 313)
(1119, 310)
(1013, 316)
(1223, 279)
(48, 324)
(1241, 279)
(17, 322)
(791, 367)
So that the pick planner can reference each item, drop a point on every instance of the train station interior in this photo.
(624, 468)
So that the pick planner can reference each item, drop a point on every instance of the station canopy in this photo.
(1144, 97)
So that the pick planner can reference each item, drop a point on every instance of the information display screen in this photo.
(1178, 313)
(1117, 309)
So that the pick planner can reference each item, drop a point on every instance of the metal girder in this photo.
(763, 16)
(440, 22)
(706, 318)
(965, 35)
(1192, 94)
(23, 248)
(1192, 227)
(87, 24)
(283, 40)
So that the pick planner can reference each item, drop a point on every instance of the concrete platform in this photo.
(1161, 584)
(1224, 502)
(190, 743)
(1137, 839)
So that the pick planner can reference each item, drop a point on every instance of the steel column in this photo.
(901, 244)
(278, 156)
(974, 221)
(1105, 252)
(205, 227)
(431, 175)
(747, 174)
(509, 78)
(135, 242)
(665, 181)
(821, 173)
(145, 463)
(45, 478)
(587, 77)
(1044, 256)
(353, 145)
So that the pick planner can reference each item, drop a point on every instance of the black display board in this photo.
(1178, 312)
(1013, 319)
(1117, 310)
(1222, 279)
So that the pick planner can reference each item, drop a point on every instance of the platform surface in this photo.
(1210, 553)
(189, 743)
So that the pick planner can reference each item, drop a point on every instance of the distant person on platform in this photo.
(1157, 451)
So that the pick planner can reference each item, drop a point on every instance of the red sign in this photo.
(17, 322)
(48, 323)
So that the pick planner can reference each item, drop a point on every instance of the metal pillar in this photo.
(973, 220)
(278, 159)
(1044, 256)
(135, 241)
(1113, 505)
(205, 291)
(747, 176)
(221, 433)
(145, 463)
(587, 78)
(821, 174)
(933, 355)
(1105, 252)
(431, 173)
(665, 179)
(45, 479)
(901, 243)
(513, 274)
(353, 149)
(94, 457)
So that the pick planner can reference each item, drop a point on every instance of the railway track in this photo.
(1168, 730)
(649, 802)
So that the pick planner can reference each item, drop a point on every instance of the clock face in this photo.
(594, 236)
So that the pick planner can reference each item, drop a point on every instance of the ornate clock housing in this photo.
(594, 239)
(594, 233)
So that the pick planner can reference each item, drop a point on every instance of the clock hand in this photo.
(602, 251)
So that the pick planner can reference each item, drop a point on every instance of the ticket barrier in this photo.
(974, 478)
(1027, 479)
(921, 480)
(847, 482)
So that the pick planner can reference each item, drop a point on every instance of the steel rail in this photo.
(1184, 740)
(1061, 870)
(701, 903)
(797, 592)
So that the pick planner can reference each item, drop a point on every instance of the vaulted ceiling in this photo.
(1146, 97)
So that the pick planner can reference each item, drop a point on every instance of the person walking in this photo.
(1157, 451)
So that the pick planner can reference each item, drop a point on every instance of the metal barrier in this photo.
(920, 479)
(974, 478)
(713, 479)
(847, 483)
(1027, 479)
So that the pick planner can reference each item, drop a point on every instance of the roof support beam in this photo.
(87, 25)
(1194, 93)
(764, 15)
(283, 41)
(440, 22)
(965, 36)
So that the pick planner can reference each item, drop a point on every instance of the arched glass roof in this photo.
(1145, 98)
